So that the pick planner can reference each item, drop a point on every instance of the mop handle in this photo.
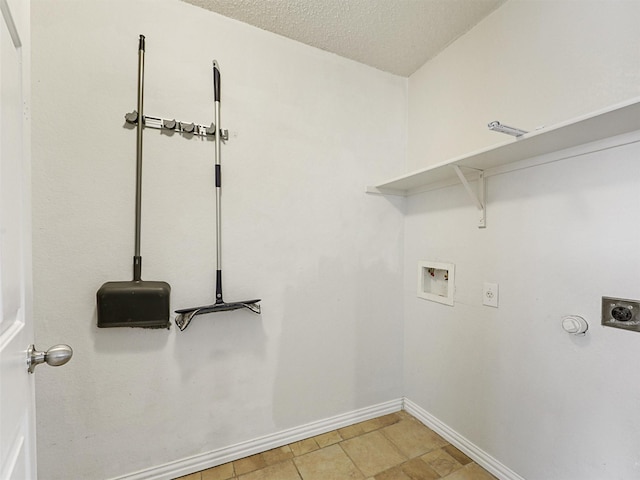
(137, 259)
(216, 113)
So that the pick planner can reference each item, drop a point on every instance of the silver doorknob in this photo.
(55, 356)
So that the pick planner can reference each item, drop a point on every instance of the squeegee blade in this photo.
(185, 315)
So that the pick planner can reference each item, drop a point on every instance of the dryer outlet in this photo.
(621, 313)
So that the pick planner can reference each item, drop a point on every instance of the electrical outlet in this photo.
(621, 313)
(490, 295)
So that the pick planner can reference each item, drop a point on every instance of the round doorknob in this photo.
(55, 356)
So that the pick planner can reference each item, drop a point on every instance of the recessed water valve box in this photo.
(621, 313)
(436, 281)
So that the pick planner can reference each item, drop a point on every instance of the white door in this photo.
(17, 404)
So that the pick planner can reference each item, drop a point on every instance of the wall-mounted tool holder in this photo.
(174, 126)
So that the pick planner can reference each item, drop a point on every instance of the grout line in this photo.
(296, 467)
(396, 448)
(351, 459)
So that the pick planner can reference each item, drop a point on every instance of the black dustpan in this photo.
(136, 303)
(185, 315)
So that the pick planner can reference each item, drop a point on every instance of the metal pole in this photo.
(218, 173)
(137, 260)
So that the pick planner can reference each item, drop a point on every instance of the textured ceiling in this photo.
(396, 36)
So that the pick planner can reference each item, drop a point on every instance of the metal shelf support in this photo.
(478, 198)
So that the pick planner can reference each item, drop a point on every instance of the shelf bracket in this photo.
(477, 198)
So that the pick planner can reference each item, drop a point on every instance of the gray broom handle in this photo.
(216, 108)
(137, 259)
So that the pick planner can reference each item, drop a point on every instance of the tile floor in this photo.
(392, 447)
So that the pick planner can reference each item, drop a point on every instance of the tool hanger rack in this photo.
(187, 129)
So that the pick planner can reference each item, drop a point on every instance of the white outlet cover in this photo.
(490, 295)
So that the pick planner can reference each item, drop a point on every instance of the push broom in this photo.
(185, 315)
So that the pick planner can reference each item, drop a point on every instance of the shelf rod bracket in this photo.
(477, 198)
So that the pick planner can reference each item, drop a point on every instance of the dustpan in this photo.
(135, 303)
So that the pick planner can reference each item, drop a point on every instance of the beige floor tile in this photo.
(277, 455)
(471, 471)
(191, 476)
(457, 454)
(441, 462)
(330, 463)
(328, 438)
(479, 473)
(384, 421)
(304, 446)
(416, 469)
(372, 453)
(351, 431)
(280, 471)
(394, 473)
(222, 472)
(368, 426)
(403, 415)
(249, 464)
(392, 447)
(413, 438)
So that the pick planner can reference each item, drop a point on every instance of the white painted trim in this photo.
(449, 182)
(223, 455)
(385, 191)
(534, 161)
(217, 457)
(568, 153)
(474, 452)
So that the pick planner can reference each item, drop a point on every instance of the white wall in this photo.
(558, 238)
(530, 63)
(308, 131)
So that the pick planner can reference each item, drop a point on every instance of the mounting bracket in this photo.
(185, 128)
(477, 198)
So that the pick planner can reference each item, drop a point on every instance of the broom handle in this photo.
(137, 259)
(216, 112)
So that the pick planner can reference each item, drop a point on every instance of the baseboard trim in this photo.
(474, 452)
(217, 457)
(223, 455)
